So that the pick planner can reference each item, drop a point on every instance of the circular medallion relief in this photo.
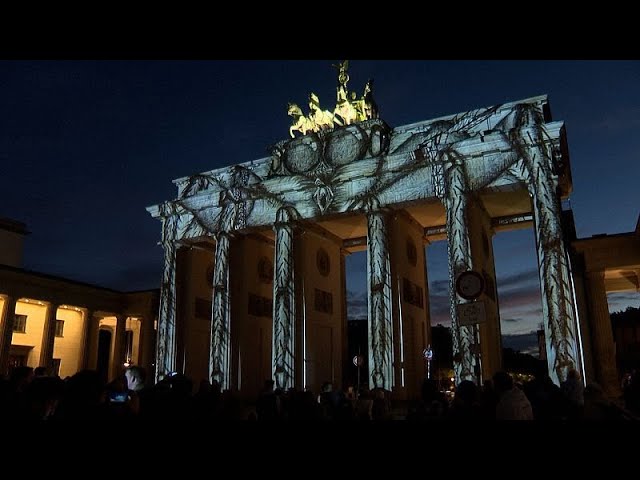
(412, 252)
(265, 270)
(322, 261)
(209, 275)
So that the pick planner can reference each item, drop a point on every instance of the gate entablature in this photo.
(340, 170)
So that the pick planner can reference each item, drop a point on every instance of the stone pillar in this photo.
(459, 252)
(94, 338)
(346, 361)
(146, 344)
(88, 331)
(220, 349)
(117, 363)
(6, 331)
(166, 343)
(284, 300)
(48, 337)
(480, 233)
(602, 335)
(558, 310)
(380, 301)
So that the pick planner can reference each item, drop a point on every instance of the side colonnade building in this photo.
(68, 326)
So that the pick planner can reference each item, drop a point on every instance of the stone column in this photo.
(220, 348)
(119, 345)
(558, 309)
(166, 344)
(284, 300)
(94, 338)
(380, 301)
(346, 361)
(602, 334)
(6, 331)
(147, 343)
(480, 234)
(48, 337)
(88, 331)
(459, 252)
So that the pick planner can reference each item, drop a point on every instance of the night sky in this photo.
(85, 146)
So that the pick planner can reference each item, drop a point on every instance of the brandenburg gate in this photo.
(254, 254)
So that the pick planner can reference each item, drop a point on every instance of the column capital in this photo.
(374, 208)
(286, 216)
(222, 233)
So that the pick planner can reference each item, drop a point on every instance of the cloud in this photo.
(523, 342)
(439, 287)
(356, 305)
(519, 279)
(621, 300)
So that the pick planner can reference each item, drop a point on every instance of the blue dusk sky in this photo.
(85, 146)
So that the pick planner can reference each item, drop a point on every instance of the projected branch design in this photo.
(459, 252)
(220, 324)
(557, 295)
(284, 294)
(349, 169)
(380, 306)
(166, 336)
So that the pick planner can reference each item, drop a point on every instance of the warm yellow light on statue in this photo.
(346, 111)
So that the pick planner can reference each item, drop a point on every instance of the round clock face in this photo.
(469, 285)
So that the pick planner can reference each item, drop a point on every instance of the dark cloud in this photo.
(439, 287)
(527, 277)
(356, 305)
(523, 342)
(619, 301)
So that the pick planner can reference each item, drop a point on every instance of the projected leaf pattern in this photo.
(166, 335)
(459, 253)
(557, 305)
(317, 180)
(220, 337)
(380, 318)
(284, 313)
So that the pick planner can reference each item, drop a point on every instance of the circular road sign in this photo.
(357, 360)
(469, 285)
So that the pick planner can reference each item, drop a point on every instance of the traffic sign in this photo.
(428, 353)
(358, 360)
(469, 285)
(471, 313)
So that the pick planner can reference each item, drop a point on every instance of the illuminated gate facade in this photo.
(258, 248)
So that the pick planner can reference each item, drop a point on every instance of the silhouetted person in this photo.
(513, 404)
(573, 390)
(268, 404)
(466, 405)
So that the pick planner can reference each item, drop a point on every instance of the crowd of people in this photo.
(32, 396)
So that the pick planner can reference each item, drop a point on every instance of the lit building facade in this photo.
(344, 186)
(66, 326)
